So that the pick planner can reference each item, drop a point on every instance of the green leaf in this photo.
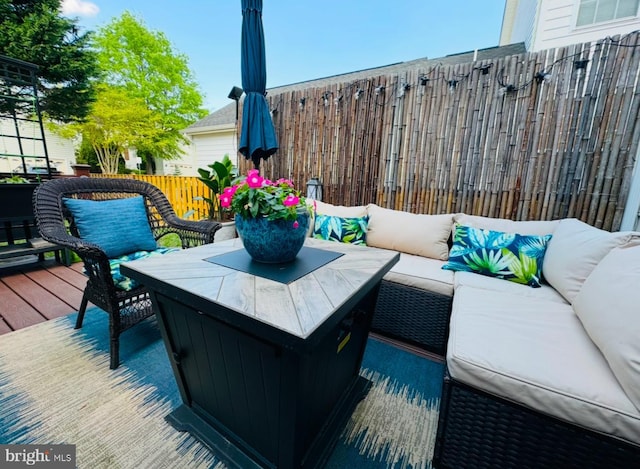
(220, 170)
(204, 174)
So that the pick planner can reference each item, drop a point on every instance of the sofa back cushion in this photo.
(574, 251)
(324, 208)
(422, 235)
(538, 228)
(607, 305)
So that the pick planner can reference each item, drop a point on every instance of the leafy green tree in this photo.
(117, 122)
(34, 31)
(85, 154)
(143, 63)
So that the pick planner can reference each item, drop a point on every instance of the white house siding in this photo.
(548, 24)
(183, 166)
(61, 151)
(519, 22)
(207, 147)
(557, 26)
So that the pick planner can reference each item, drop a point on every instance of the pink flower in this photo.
(296, 224)
(291, 201)
(253, 172)
(230, 190)
(288, 182)
(254, 180)
(225, 199)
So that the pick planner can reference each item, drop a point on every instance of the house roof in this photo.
(227, 114)
(223, 116)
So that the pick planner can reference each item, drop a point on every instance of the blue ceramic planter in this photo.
(275, 241)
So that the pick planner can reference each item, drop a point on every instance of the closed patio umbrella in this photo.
(257, 136)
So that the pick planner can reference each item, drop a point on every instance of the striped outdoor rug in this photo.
(56, 387)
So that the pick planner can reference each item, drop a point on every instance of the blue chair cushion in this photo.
(118, 226)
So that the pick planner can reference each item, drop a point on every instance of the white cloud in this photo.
(79, 7)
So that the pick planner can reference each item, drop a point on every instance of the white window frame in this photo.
(597, 2)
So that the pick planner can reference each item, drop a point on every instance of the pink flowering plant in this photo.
(254, 196)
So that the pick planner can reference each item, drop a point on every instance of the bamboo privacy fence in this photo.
(489, 138)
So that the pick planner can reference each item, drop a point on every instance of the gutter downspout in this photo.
(631, 216)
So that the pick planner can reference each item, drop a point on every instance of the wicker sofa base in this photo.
(480, 430)
(416, 316)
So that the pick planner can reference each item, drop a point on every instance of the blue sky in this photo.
(305, 39)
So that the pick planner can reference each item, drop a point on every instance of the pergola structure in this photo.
(21, 129)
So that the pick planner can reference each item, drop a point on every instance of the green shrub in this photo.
(221, 176)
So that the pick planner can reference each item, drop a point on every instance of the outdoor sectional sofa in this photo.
(535, 377)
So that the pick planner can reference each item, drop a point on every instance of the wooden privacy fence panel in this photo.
(182, 192)
(488, 138)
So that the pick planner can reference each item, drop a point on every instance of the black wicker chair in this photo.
(125, 308)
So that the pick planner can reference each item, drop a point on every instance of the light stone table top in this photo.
(297, 309)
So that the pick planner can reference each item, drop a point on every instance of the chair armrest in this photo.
(58, 235)
(95, 260)
(193, 233)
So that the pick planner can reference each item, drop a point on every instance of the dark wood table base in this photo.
(187, 419)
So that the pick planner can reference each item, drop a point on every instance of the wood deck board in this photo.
(31, 293)
(48, 280)
(15, 311)
(4, 327)
(72, 275)
(40, 298)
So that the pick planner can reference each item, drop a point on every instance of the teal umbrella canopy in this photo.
(257, 135)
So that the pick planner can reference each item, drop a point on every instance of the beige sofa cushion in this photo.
(324, 208)
(422, 235)
(537, 353)
(539, 228)
(573, 252)
(609, 307)
(470, 279)
(422, 272)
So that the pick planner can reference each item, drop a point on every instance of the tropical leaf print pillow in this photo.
(508, 256)
(344, 230)
(126, 283)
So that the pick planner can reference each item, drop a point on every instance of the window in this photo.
(597, 11)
